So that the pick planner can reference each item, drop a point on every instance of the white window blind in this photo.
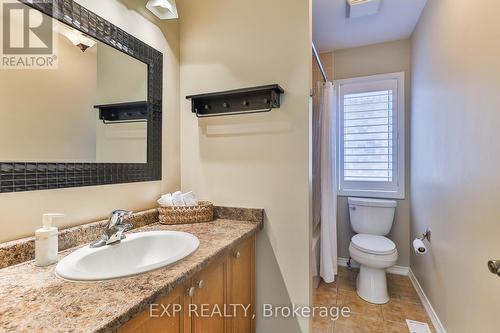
(370, 145)
(368, 136)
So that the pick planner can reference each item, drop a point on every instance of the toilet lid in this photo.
(373, 244)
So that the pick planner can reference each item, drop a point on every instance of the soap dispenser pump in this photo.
(46, 241)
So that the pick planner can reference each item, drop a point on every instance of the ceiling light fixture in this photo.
(164, 9)
(76, 37)
(361, 8)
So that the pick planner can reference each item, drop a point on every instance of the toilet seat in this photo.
(373, 244)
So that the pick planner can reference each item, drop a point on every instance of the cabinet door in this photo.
(155, 320)
(211, 296)
(241, 286)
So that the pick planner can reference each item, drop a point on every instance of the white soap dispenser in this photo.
(46, 241)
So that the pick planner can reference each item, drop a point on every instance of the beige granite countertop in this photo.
(33, 299)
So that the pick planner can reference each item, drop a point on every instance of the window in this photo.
(371, 136)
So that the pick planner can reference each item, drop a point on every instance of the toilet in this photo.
(372, 220)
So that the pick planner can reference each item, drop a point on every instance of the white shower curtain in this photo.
(324, 179)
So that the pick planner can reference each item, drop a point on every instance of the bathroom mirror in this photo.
(52, 115)
(90, 114)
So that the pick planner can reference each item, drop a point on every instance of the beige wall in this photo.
(370, 60)
(258, 160)
(21, 212)
(120, 77)
(121, 142)
(38, 122)
(455, 161)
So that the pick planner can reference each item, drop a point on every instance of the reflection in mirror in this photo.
(49, 115)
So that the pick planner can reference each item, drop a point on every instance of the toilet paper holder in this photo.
(418, 243)
(426, 235)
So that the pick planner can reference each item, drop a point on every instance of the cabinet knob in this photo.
(190, 291)
(237, 254)
(200, 284)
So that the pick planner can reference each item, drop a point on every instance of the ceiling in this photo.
(332, 30)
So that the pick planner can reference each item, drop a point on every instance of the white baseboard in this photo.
(399, 270)
(427, 304)
(343, 262)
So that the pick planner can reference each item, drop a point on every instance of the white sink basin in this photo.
(137, 253)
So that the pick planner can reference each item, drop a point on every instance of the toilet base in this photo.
(371, 285)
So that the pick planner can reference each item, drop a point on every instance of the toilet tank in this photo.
(371, 216)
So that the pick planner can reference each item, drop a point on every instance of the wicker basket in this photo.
(203, 212)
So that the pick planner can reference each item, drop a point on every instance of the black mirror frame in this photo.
(26, 176)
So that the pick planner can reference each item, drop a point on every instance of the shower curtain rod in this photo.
(320, 65)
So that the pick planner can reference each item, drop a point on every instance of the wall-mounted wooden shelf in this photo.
(123, 112)
(239, 101)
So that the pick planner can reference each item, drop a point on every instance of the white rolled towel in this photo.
(177, 199)
(189, 199)
(165, 200)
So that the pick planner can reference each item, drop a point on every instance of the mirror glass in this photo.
(90, 108)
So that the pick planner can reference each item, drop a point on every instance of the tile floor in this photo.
(366, 317)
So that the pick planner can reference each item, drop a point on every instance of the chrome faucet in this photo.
(114, 229)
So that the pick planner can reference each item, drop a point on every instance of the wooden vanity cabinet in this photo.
(241, 286)
(145, 323)
(229, 280)
(210, 294)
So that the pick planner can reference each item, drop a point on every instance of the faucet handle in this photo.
(122, 213)
(117, 217)
(118, 233)
(113, 232)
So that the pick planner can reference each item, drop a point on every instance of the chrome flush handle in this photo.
(494, 266)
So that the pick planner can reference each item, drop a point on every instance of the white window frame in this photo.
(396, 189)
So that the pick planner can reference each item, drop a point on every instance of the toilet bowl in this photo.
(374, 254)
(372, 219)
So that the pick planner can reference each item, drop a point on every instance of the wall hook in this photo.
(239, 101)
